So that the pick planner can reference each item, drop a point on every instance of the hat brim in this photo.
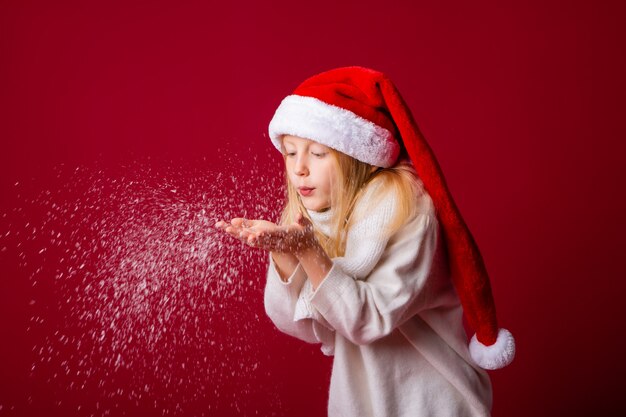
(335, 127)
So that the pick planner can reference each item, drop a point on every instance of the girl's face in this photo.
(311, 170)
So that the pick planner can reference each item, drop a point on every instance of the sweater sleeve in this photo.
(280, 302)
(397, 287)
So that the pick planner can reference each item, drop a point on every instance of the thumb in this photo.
(302, 220)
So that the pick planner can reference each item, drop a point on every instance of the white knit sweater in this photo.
(389, 314)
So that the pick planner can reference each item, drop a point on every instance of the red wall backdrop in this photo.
(523, 103)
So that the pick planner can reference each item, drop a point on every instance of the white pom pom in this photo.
(495, 356)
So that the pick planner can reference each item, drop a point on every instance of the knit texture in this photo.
(390, 317)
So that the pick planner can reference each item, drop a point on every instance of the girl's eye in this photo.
(290, 153)
(319, 155)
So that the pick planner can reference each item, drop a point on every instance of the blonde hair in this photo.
(354, 177)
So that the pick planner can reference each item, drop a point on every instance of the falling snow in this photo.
(133, 292)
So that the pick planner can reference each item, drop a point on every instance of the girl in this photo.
(367, 250)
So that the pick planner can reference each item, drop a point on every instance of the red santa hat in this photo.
(359, 111)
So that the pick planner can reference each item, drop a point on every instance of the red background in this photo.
(522, 102)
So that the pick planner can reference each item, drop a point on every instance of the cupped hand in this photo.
(263, 234)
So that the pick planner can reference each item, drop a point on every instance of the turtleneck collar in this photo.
(322, 220)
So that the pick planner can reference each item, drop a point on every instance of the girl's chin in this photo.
(316, 208)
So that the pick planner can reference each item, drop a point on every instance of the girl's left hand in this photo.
(269, 236)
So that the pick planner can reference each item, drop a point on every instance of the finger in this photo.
(271, 235)
(259, 243)
(234, 235)
(301, 220)
(256, 242)
(236, 221)
(233, 231)
(261, 228)
(244, 234)
(305, 225)
(270, 242)
(223, 225)
(262, 238)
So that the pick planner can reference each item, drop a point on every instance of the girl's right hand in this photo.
(270, 236)
(244, 229)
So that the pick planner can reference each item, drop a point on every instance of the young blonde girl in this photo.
(362, 260)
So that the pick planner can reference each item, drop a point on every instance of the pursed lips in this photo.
(305, 191)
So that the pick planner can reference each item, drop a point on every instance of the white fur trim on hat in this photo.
(495, 356)
(335, 127)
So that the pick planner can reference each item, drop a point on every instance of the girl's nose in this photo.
(301, 168)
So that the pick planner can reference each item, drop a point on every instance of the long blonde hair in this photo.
(399, 181)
